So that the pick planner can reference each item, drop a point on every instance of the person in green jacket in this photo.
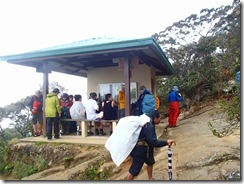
(52, 112)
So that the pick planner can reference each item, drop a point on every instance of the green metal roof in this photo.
(76, 58)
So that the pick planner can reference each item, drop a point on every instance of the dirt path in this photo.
(198, 154)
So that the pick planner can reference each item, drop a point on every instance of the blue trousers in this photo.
(50, 121)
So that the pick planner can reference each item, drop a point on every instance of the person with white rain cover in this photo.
(136, 136)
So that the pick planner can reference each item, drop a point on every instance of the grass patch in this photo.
(67, 161)
(21, 170)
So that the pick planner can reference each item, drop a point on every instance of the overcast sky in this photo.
(27, 25)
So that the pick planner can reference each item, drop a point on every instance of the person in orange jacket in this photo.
(121, 100)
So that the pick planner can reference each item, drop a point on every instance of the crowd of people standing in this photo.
(72, 107)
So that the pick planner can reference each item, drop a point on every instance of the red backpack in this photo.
(36, 106)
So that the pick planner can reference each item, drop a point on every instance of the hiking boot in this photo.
(96, 132)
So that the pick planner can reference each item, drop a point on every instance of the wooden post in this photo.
(45, 92)
(114, 125)
(127, 85)
(83, 129)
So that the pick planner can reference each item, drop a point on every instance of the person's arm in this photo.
(151, 137)
(58, 106)
(178, 97)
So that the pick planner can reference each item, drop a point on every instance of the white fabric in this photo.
(77, 110)
(125, 136)
(91, 107)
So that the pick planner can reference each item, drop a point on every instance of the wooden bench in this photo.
(84, 122)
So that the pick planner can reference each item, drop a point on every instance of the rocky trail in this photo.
(198, 155)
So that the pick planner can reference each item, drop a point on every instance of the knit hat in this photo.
(175, 88)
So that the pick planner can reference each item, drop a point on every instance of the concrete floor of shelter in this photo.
(73, 138)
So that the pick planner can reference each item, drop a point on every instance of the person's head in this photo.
(65, 96)
(108, 96)
(71, 97)
(142, 88)
(175, 88)
(56, 90)
(123, 87)
(38, 93)
(93, 95)
(155, 116)
(78, 97)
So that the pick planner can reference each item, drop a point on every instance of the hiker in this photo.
(35, 106)
(146, 102)
(92, 108)
(121, 100)
(143, 152)
(65, 104)
(109, 111)
(52, 112)
(77, 111)
(174, 98)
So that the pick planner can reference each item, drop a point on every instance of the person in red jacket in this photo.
(174, 110)
(65, 105)
(35, 106)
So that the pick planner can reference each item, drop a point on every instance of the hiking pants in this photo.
(174, 112)
(50, 121)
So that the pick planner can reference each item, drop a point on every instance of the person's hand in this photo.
(179, 94)
(170, 142)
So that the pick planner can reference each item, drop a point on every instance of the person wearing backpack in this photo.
(35, 106)
(143, 152)
(174, 110)
(146, 102)
(65, 114)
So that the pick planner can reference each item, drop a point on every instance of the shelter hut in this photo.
(106, 63)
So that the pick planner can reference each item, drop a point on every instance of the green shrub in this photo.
(22, 170)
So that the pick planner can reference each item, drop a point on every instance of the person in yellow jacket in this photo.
(52, 113)
(121, 100)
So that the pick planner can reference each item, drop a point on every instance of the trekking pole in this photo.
(170, 161)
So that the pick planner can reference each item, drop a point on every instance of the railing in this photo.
(84, 122)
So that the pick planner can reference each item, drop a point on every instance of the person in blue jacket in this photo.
(174, 110)
(143, 152)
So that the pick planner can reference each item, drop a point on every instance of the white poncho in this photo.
(125, 136)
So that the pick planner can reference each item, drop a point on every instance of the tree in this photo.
(204, 50)
(20, 114)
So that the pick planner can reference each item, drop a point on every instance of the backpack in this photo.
(148, 104)
(36, 106)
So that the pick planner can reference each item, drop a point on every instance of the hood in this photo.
(51, 94)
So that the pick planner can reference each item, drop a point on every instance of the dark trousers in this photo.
(50, 121)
